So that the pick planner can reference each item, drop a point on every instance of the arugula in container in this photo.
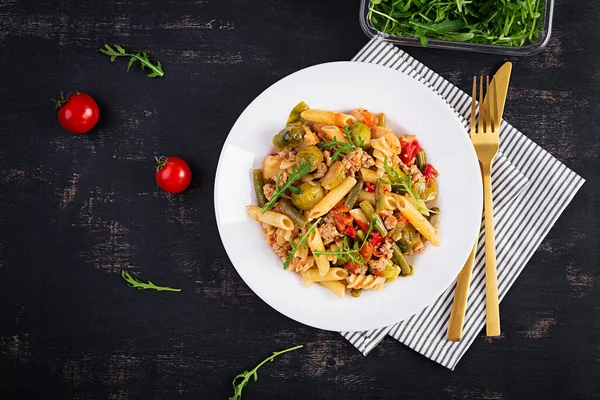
(510, 23)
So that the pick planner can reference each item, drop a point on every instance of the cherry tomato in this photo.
(173, 174)
(350, 231)
(370, 187)
(376, 238)
(409, 151)
(429, 172)
(78, 113)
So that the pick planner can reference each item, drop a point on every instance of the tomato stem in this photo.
(161, 161)
(62, 101)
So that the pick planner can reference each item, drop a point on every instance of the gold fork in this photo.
(486, 141)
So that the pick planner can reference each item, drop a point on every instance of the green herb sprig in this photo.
(344, 253)
(134, 282)
(240, 381)
(142, 57)
(341, 147)
(371, 226)
(296, 174)
(301, 242)
(404, 183)
(498, 22)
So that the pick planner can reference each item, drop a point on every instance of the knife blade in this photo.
(501, 79)
(459, 305)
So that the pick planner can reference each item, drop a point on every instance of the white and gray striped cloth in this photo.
(521, 224)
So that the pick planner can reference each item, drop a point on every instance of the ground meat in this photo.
(356, 269)
(357, 159)
(390, 222)
(321, 171)
(378, 265)
(415, 172)
(329, 232)
(288, 158)
(385, 213)
(268, 190)
(385, 250)
(281, 250)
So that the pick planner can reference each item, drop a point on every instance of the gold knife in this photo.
(461, 294)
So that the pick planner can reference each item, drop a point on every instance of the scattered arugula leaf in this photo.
(403, 182)
(296, 174)
(499, 22)
(245, 376)
(301, 242)
(142, 57)
(134, 282)
(343, 253)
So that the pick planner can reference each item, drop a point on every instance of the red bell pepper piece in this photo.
(409, 150)
(429, 172)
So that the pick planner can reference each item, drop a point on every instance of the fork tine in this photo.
(487, 123)
(481, 108)
(495, 111)
(473, 105)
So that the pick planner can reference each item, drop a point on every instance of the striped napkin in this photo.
(521, 224)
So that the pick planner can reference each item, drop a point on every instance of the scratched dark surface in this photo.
(75, 210)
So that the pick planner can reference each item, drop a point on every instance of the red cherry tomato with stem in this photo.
(173, 174)
(78, 113)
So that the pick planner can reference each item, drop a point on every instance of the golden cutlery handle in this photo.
(492, 309)
(461, 294)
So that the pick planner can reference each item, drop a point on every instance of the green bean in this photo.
(354, 193)
(368, 196)
(371, 214)
(361, 235)
(399, 259)
(257, 178)
(396, 233)
(432, 211)
(356, 244)
(295, 215)
(356, 292)
(381, 120)
(379, 205)
(421, 160)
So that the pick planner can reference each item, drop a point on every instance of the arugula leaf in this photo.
(246, 375)
(134, 282)
(404, 182)
(142, 57)
(301, 242)
(344, 253)
(341, 147)
(296, 174)
(498, 22)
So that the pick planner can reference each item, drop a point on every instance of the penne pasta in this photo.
(369, 175)
(332, 198)
(336, 287)
(316, 244)
(328, 117)
(333, 133)
(307, 281)
(359, 216)
(270, 218)
(389, 201)
(417, 220)
(422, 207)
(334, 274)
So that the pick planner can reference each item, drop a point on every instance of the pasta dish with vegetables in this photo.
(343, 200)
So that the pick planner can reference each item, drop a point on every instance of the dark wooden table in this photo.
(75, 210)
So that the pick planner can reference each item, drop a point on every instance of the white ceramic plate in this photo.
(410, 107)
